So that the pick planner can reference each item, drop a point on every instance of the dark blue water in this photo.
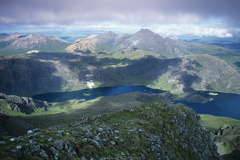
(224, 104)
(93, 93)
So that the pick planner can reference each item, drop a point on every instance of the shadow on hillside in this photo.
(113, 72)
(23, 76)
(30, 76)
(147, 70)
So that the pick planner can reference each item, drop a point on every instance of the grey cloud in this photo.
(121, 11)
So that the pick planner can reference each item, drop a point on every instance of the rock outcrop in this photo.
(150, 131)
(23, 104)
(227, 138)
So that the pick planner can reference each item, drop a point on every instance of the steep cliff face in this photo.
(149, 131)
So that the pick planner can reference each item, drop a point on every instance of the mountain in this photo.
(52, 72)
(101, 43)
(143, 40)
(148, 41)
(3, 35)
(199, 72)
(13, 37)
(149, 131)
(17, 43)
(33, 40)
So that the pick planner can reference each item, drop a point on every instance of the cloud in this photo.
(177, 30)
(217, 32)
(6, 20)
(169, 17)
(139, 12)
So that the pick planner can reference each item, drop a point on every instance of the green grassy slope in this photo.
(215, 122)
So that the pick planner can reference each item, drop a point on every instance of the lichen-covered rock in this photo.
(151, 131)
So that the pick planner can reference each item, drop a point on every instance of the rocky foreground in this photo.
(150, 131)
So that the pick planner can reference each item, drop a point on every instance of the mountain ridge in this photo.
(145, 40)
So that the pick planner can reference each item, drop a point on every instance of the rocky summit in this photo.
(150, 131)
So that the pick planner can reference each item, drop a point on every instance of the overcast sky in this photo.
(198, 15)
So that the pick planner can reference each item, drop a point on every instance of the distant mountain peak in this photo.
(107, 36)
(91, 36)
(34, 41)
(13, 36)
(146, 31)
(110, 33)
(41, 37)
(36, 34)
(4, 34)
